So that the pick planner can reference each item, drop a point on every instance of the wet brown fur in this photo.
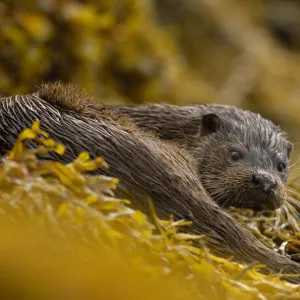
(227, 182)
(71, 98)
(148, 168)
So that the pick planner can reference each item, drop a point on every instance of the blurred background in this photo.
(244, 53)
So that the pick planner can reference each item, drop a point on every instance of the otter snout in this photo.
(264, 183)
(266, 192)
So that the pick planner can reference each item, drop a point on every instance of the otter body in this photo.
(242, 158)
(146, 166)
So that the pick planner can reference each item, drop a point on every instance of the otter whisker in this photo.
(240, 199)
(290, 218)
(228, 202)
(292, 209)
(218, 196)
(293, 192)
(280, 218)
(290, 197)
(291, 166)
(294, 170)
(293, 201)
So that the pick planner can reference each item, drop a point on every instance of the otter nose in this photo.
(264, 183)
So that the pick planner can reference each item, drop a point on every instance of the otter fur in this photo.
(148, 168)
(242, 158)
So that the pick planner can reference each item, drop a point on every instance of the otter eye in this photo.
(235, 155)
(281, 167)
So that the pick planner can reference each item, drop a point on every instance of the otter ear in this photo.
(210, 123)
(290, 147)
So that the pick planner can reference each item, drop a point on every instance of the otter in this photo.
(148, 167)
(242, 158)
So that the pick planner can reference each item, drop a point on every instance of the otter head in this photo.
(243, 160)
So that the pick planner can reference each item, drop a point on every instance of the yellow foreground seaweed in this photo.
(64, 236)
